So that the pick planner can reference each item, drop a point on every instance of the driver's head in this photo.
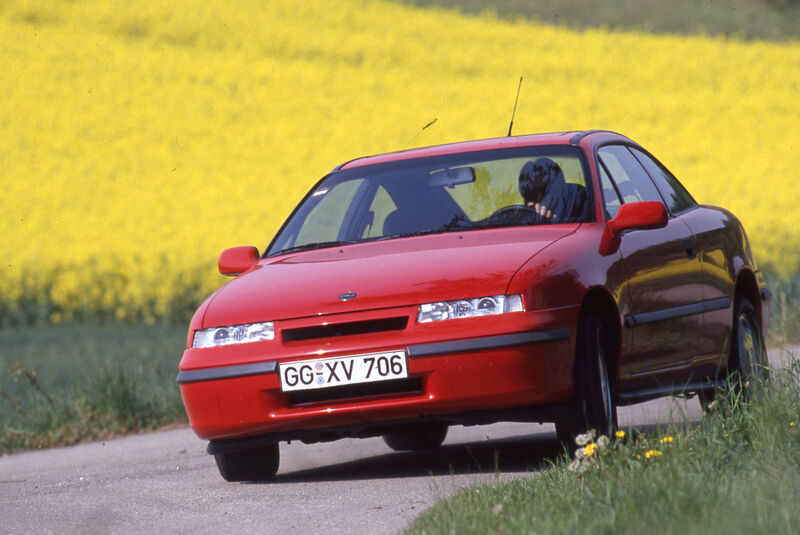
(537, 177)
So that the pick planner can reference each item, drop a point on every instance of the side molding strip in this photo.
(633, 320)
(489, 342)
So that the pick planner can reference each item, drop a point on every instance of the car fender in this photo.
(562, 274)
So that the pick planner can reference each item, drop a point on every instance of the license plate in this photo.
(338, 371)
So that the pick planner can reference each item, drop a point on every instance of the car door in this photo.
(712, 235)
(663, 286)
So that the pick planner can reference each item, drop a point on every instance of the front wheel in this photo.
(592, 406)
(249, 465)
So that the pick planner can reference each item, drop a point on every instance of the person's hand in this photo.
(541, 209)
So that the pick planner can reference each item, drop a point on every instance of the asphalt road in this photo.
(165, 482)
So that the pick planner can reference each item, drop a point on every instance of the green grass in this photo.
(65, 384)
(736, 472)
(784, 310)
(751, 19)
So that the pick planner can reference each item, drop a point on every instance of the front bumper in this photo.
(473, 366)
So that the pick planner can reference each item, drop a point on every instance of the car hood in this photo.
(382, 274)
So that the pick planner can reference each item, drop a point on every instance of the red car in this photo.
(537, 278)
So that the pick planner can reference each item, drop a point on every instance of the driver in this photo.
(542, 185)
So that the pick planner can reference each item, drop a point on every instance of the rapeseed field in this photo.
(139, 140)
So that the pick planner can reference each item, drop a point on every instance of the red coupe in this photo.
(537, 278)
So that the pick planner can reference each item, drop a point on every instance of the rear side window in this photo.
(632, 182)
(678, 199)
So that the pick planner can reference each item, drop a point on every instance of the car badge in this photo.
(347, 296)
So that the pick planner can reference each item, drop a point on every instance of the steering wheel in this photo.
(517, 213)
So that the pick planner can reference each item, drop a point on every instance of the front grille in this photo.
(345, 329)
(411, 385)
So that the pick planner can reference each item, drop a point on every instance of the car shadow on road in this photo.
(519, 454)
(527, 453)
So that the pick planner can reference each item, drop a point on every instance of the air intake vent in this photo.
(412, 385)
(345, 329)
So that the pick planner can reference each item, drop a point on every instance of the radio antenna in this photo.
(510, 126)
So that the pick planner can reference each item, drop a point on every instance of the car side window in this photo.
(678, 199)
(610, 198)
(632, 181)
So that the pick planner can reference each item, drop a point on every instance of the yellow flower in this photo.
(666, 440)
(135, 250)
(589, 449)
(619, 434)
(791, 424)
(652, 453)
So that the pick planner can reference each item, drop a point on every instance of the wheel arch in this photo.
(601, 303)
(747, 286)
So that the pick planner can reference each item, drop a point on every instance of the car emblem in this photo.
(347, 296)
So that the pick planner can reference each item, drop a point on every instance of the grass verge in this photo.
(65, 384)
(784, 312)
(736, 472)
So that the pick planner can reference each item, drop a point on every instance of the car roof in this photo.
(555, 138)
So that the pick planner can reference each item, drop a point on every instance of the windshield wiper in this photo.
(441, 230)
(313, 245)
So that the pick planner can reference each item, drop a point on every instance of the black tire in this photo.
(748, 362)
(564, 432)
(592, 405)
(250, 465)
(416, 437)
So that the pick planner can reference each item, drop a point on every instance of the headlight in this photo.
(469, 308)
(234, 334)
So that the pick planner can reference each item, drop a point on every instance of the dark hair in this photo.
(537, 177)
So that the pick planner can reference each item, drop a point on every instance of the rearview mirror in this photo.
(451, 176)
(641, 215)
(237, 260)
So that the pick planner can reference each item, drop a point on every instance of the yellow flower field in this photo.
(140, 140)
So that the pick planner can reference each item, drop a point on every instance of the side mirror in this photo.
(632, 216)
(237, 260)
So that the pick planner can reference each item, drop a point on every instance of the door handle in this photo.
(688, 245)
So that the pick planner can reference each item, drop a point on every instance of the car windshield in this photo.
(521, 186)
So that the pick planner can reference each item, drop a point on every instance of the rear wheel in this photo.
(425, 436)
(749, 357)
(592, 405)
(747, 365)
(249, 465)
